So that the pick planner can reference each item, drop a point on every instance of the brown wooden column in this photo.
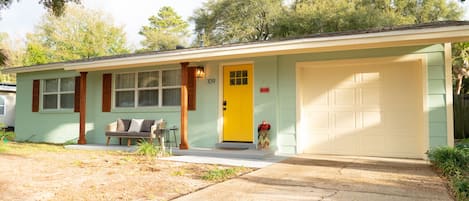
(82, 138)
(184, 79)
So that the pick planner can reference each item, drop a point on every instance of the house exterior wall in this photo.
(278, 107)
(10, 101)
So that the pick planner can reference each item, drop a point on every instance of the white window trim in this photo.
(4, 106)
(58, 93)
(135, 89)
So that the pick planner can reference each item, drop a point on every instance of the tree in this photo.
(79, 34)
(460, 64)
(14, 56)
(226, 21)
(313, 16)
(166, 30)
(57, 7)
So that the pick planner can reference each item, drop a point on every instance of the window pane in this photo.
(148, 98)
(2, 101)
(49, 101)
(67, 84)
(148, 79)
(2, 110)
(125, 81)
(51, 85)
(172, 97)
(125, 98)
(171, 78)
(67, 101)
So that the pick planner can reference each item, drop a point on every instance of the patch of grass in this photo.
(180, 172)
(222, 174)
(7, 136)
(70, 142)
(30, 148)
(454, 164)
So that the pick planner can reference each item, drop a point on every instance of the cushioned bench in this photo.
(141, 129)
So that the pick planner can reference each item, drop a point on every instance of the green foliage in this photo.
(79, 34)
(313, 16)
(454, 163)
(166, 30)
(226, 21)
(70, 142)
(146, 148)
(461, 188)
(221, 174)
(57, 7)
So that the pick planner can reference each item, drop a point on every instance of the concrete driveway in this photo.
(321, 177)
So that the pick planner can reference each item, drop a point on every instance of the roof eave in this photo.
(322, 44)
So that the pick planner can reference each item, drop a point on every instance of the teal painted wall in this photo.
(43, 126)
(278, 107)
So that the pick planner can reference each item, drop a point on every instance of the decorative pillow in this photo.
(120, 125)
(126, 124)
(123, 125)
(146, 125)
(135, 125)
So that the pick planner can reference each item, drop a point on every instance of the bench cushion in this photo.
(129, 134)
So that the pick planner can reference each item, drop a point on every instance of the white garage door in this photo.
(363, 109)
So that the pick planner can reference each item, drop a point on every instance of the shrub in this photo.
(452, 161)
(461, 188)
(147, 149)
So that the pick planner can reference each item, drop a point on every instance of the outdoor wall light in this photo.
(199, 72)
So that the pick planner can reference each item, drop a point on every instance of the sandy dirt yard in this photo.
(45, 172)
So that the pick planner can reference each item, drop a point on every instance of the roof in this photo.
(408, 35)
(7, 87)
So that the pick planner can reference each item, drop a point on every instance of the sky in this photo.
(22, 16)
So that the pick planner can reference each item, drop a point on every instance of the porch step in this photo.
(235, 145)
(224, 153)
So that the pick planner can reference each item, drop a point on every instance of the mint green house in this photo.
(377, 93)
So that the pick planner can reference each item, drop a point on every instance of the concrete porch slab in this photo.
(251, 163)
(224, 153)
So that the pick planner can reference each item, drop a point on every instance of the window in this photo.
(148, 89)
(2, 106)
(58, 93)
(239, 77)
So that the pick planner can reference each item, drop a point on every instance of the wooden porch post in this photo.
(82, 138)
(184, 79)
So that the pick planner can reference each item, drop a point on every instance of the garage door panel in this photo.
(317, 120)
(371, 119)
(344, 120)
(344, 96)
(370, 96)
(371, 109)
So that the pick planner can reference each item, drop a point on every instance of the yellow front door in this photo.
(237, 103)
